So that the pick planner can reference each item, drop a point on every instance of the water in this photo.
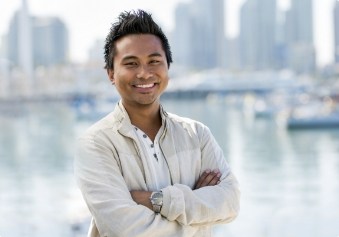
(289, 179)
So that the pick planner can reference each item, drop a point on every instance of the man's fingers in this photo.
(208, 178)
(211, 179)
(215, 179)
(202, 178)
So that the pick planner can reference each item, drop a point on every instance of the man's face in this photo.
(140, 71)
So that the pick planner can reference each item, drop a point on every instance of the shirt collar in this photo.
(121, 115)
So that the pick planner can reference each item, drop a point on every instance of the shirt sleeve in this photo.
(207, 205)
(107, 196)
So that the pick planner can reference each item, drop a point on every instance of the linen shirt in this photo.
(109, 163)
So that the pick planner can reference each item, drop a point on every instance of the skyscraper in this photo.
(299, 36)
(20, 40)
(208, 33)
(35, 41)
(247, 39)
(199, 36)
(336, 31)
(257, 34)
(50, 41)
(182, 37)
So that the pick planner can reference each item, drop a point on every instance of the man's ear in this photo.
(110, 74)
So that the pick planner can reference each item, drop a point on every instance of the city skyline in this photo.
(94, 19)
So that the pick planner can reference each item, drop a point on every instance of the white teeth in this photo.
(145, 86)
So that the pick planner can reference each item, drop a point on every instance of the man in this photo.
(143, 171)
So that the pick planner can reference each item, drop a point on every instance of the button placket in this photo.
(155, 153)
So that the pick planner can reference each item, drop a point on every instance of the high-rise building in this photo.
(50, 41)
(208, 33)
(257, 37)
(247, 43)
(199, 36)
(336, 31)
(3, 46)
(299, 36)
(13, 40)
(182, 36)
(34, 41)
(20, 40)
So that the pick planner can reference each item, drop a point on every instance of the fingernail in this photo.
(219, 175)
(216, 171)
(207, 171)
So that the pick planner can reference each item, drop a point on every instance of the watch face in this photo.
(156, 198)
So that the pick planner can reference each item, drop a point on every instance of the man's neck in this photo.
(147, 118)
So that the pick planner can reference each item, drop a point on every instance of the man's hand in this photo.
(208, 178)
(142, 198)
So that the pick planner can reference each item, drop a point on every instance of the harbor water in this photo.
(289, 178)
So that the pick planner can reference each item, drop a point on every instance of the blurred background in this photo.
(262, 74)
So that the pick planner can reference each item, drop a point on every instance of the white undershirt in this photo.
(156, 160)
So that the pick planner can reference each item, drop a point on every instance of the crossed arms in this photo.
(208, 178)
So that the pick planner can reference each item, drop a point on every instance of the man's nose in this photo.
(144, 72)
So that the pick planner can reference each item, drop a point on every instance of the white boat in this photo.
(328, 121)
(316, 115)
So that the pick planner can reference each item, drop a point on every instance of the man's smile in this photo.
(145, 85)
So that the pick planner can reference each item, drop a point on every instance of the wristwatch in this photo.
(156, 201)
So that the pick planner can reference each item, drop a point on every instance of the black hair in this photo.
(133, 22)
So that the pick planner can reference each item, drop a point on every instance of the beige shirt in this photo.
(110, 162)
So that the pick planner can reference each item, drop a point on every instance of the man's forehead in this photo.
(131, 56)
(135, 44)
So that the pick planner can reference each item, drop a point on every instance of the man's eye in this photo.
(155, 61)
(131, 64)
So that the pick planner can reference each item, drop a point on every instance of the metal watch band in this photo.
(156, 201)
(157, 208)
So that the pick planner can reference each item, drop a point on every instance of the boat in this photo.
(328, 121)
(315, 115)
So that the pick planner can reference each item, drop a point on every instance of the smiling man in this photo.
(143, 171)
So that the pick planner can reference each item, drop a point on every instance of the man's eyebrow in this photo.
(129, 57)
(155, 55)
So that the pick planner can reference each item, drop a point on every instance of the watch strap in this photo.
(156, 201)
